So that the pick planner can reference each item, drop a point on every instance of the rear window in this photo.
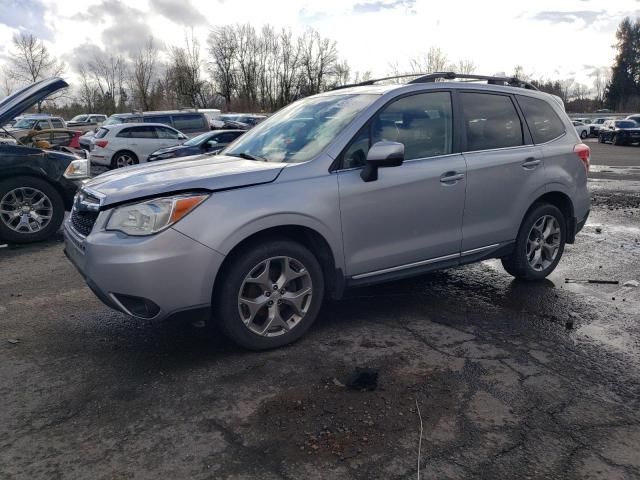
(189, 122)
(101, 133)
(491, 121)
(543, 122)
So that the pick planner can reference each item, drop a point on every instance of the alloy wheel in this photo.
(275, 296)
(124, 160)
(26, 210)
(543, 242)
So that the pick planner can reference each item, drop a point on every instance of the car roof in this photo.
(159, 112)
(137, 124)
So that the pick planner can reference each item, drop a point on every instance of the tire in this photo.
(243, 286)
(123, 159)
(600, 139)
(43, 209)
(583, 134)
(616, 140)
(519, 263)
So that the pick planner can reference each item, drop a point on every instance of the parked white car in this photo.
(126, 144)
(582, 129)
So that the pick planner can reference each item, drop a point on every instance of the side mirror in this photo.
(381, 155)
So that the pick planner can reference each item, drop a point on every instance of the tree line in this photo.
(241, 68)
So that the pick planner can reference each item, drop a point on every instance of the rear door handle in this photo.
(450, 178)
(531, 163)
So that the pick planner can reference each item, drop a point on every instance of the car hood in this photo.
(174, 148)
(201, 172)
(22, 100)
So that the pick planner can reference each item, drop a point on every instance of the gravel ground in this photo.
(511, 380)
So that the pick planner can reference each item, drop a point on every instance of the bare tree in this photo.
(319, 58)
(8, 84)
(435, 60)
(466, 66)
(30, 61)
(144, 73)
(223, 47)
(290, 64)
(186, 75)
(108, 73)
(601, 78)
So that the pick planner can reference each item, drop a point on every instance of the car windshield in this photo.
(626, 124)
(300, 131)
(26, 123)
(113, 121)
(79, 118)
(195, 141)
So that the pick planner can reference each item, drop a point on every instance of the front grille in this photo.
(83, 221)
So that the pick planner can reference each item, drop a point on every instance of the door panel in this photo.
(413, 212)
(406, 216)
(501, 184)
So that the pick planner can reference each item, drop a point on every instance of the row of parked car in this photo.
(607, 129)
(44, 159)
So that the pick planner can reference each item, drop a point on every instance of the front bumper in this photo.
(151, 277)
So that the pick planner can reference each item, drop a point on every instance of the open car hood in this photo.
(22, 100)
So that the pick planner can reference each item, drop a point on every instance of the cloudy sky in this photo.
(549, 38)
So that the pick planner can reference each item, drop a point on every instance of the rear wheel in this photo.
(124, 159)
(269, 295)
(539, 245)
(30, 209)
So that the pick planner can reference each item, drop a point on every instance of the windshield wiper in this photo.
(248, 156)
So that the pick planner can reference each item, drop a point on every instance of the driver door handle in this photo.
(451, 178)
(531, 163)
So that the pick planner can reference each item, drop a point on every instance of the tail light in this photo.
(103, 143)
(584, 154)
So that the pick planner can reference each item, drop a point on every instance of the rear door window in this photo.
(544, 124)
(138, 132)
(491, 121)
(189, 122)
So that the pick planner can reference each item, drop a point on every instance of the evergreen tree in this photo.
(623, 92)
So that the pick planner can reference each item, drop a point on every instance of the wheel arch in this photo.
(563, 202)
(304, 235)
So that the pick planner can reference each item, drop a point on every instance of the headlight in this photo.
(77, 169)
(152, 216)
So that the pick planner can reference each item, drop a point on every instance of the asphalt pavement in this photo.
(506, 379)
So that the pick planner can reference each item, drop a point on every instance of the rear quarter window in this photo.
(544, 124)
(101, 133)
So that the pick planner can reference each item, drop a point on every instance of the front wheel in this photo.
(269, 295)
(539, 245)
(30, 209)
(583, 134)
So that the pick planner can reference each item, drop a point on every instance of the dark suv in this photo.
(36, 185)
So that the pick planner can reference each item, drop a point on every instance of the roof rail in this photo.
(491, 80)
(374, 80)
(432, 77)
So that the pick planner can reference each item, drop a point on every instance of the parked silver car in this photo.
(350, 187)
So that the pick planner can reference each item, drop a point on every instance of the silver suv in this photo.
(350, 187)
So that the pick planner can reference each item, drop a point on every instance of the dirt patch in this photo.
(327, 419)
(616, 200)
